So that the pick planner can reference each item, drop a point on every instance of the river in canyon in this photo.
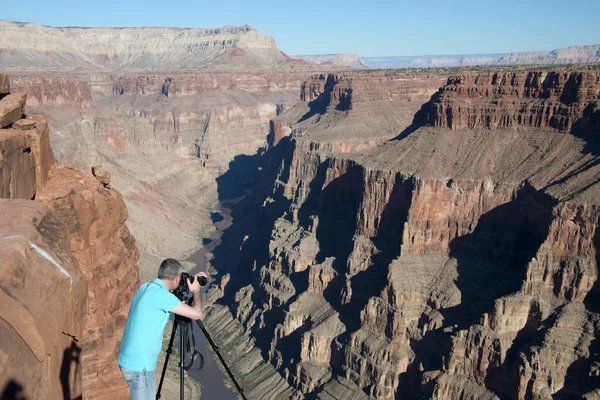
(212, 376)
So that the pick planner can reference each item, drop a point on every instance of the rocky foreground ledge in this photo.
(68, 268)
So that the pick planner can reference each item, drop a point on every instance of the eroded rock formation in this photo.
(52, 91)
(537, 99)
(165, 138)
(70, 268)
(166, 115)
(456, 260)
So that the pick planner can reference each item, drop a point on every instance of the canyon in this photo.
(455, 259)
(396, 233)
(165, 129)
(165, 139)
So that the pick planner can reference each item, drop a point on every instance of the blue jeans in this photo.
(142, 385)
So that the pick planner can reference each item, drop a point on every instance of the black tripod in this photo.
(184, 329)
(184, 326)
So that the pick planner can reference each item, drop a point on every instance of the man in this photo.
(148, 316)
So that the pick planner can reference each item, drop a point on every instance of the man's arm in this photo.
(195, 311)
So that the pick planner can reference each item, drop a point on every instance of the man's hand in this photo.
(193, 287)
(204, 274)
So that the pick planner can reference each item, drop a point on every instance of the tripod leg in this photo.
(216, 350)
(181, 359)
(168, 352)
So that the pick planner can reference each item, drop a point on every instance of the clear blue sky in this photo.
(369, 28)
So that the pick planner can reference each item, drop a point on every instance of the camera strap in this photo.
(191, 348)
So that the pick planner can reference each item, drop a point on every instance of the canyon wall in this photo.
(538, 99)
(56, 92)
(352, 111)
(70, 270)
(165, 109)
(191, 84)
(347, 91)
(456, 260)
(165, 138)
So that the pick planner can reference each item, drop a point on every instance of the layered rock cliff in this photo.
(56, 92)
(456, 260)
(166, 108)
(70, 268)
(351, 111)
(164, 137)
(45, 47)
(524, 99)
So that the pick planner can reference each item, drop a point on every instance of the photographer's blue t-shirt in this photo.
(148, 315)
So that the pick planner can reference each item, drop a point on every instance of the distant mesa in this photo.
(351, 60)
(569, 55)
(36, 47)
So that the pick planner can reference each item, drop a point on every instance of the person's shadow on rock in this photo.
(13, 391)
(71, 358)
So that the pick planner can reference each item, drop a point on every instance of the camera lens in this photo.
(202, 280)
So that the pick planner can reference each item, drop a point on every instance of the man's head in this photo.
(170, 272)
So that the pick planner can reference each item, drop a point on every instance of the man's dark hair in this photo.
(169, 269)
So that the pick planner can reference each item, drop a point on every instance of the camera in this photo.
(181, 290)
(185, 276)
